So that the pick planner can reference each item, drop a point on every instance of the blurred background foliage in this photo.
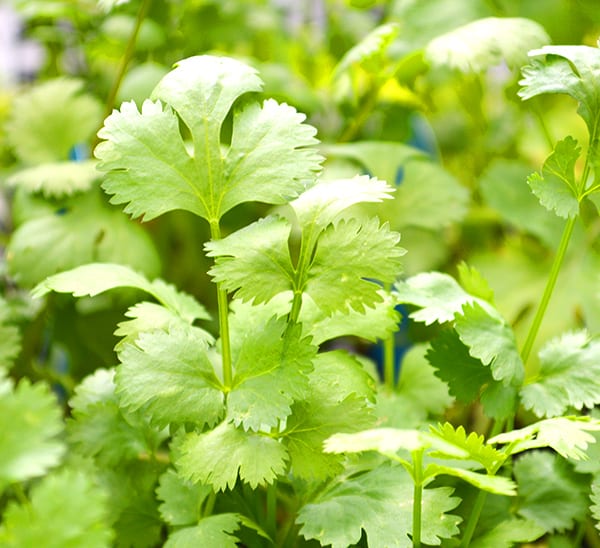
(422, 94)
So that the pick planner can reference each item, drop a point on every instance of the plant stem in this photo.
(223, 306)
(389, 362)
(124, 62)
(473, 519)
(272, 509)
(361, 116)
(417, 457)
(550, 284)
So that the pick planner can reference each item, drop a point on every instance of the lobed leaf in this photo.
(215, 530)
(509, 532)
(181, 501)
(499, 485)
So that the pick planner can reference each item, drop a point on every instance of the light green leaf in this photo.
(181, 501)
(498, 485)
(380, 503)
(556, 187)
(30, 422)
(254, 262)
(108, 5)
(321, 204)
(595, 498)
(382, 440)
(215, 530)
(509, 532)
(56, 179)
(349, 254)
(492, 341)
(51, 118)
(171, 376)
(568, 436)
(550, 493)
(569, 376)
(95, 278)
(65, 509)
(485, 43)
(150, 170)
(572, 70)
(271, 370)
(217, 456)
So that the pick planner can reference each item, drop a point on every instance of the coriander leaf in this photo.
(215, 530)
(474, 283)
(569, 376)
(30, 423)
(556, 187)
(550, 493)
(150, 170)
(322, 203)
(380, 503)
(56, 179)
(473, 444)
(215, 457)
(271, 370)
(568, 436)
(171, 376)
(572, 70)
(498, 485)
(181, 500)
(438, 295)
(492, 341)
(254, 262)
(49, 119)
(349, 254)
(382, 440)
(509, 532)
(595, 498)
(66, 509)
(485, 43)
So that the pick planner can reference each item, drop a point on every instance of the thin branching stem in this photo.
(417, 457)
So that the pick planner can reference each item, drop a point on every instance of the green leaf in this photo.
(181, 501)
(322, 203)
(568, 436)
(56, 179)
(473, 444)
(595, 498)
(498, 485)
(492, 341)
(215, 530)
(569, 376)
(382, 440)
(349, 254)
(438, 295)
(380, 503)
(254, 262)
(65, 509)
(572, 70)
(485, 43)
(556, 187)
(50, 118)
(474, 283)
(78, 230)
(271, 371)
(95, 278)
(509, 532)
(10, 338)
(550, 493)
(171, 376)
(149, 168)
(30, 423)
(217, 456)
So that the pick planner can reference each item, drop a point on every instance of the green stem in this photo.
(417, 497)
(473, 519)
(307, 244)
(124, 62)
(550, 284)
(389, 362)
(361, 116)
(272, 509)
(223, 306)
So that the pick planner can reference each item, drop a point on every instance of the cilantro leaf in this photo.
(171, 376)
(550, 493)
(49, 119)
(499, 485)
(485, 43)
(595, 498)
(66, 509)
(181, 500)
(150, 170)
(217, 456)
(348, 255)
(492, 341)
(215, 530)
(254, 262)
(271, 371)
(556, 187)
(509, 532)
(380, 503)
(569, 376)
(30, 422)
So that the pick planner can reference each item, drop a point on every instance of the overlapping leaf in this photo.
(509, 532)
(181, 501)
(569, 376)
(151, 171)
(215, 530)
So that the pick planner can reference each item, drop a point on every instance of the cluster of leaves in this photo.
(246, 419)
